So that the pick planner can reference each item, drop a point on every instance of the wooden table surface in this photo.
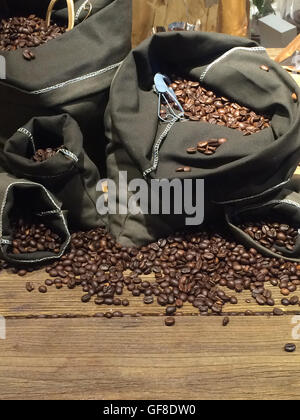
(55, 348)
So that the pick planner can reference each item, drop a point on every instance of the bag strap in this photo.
(71, 13)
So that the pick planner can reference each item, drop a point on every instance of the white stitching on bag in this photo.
(27, 133)
(76, 80)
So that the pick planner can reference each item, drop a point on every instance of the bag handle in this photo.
(71, 13)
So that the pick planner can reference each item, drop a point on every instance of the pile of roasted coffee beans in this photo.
(43, 154)
(31, 237)
(191, 269)
(270, 234)
(26, 32)
(200, 104)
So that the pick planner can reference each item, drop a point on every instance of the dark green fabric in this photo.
(72, 181)
(283, 207)
(242, 168)
(19, 197)
(104, 39)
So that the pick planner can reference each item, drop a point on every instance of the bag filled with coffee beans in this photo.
(271, 227)
(49, 151)
(33, 228)
(52, 70)
(192, 105)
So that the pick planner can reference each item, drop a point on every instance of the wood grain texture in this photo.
(142, 359)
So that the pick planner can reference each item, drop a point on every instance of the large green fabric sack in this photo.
(70, 74)
(243, 168)
(21, 198)
(69, 175)
(283, 206)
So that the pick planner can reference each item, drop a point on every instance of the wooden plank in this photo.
(15, 301)
(140, 358)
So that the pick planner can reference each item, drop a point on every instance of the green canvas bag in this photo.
(21, 198)
(243, 168)
(69, 175)
(71, 73)
(283, 207)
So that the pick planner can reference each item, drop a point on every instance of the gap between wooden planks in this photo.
(139, 358)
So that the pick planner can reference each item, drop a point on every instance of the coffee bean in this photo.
(170, 310)
(43, 289)
(199, 104)
(22, 32)
(27, 233)
(170, 321)
(294, 300)
(191, 150)
(278, 312)
(29, 287)
(148, 300)
(226, 321)
(290, 348)
(295, 97)
(265, 68)
(271, 234)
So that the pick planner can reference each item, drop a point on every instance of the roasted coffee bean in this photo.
(24, 32)
(118, 314)
(22, 273)
(290, 348)
(295, 97)
(189, 268)
(226, 321)
(43, 289)
(170, 310)
(170, 321)
(29, 287)
(294, 300)
(285, 302)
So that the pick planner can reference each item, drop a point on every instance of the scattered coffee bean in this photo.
(265, 68)
(29, 287)
(28, 55)
(295, 97)
(200, 104)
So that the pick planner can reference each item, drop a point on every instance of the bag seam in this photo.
(225, 55)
